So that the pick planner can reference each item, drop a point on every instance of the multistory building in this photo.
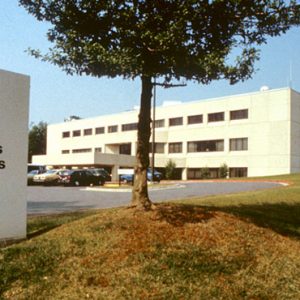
(253, 134)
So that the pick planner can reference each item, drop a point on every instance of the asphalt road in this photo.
(47, 200)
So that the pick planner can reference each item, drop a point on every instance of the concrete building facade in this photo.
(254, 134)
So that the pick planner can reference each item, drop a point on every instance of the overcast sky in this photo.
(55, 95)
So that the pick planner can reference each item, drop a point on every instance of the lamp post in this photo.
(165, 85)
(153, 130)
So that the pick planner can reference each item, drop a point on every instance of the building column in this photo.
(184, 174)
(114, 173)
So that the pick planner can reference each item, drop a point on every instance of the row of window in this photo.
(235, 144)
(197, 119)
(194, 119)
(212, 117)
(81, 150)
(199, 173)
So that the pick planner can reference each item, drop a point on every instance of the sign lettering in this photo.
(2, 162)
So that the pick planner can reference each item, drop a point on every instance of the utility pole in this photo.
(153, 130)
(165, 85)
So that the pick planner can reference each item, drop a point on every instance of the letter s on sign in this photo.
(2, 164)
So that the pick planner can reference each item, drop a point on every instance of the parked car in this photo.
(157, 175)
(101, 172)
(80, 177)
(51, 177)
(30, 176)
(129, 177)
(40, 168)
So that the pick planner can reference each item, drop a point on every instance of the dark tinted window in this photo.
(99, 130)
(130, 126)
(175, 121)
(206, 146)
(76, 133)
(88, 131)
(195, 119)
(216, 117)
(239, 114)
(66, 134)
(113, 128)
(175, 147)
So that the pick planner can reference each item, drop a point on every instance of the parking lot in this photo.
(57, 199)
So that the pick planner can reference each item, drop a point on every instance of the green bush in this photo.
(224, 170)
(205, 174)
(170, 169)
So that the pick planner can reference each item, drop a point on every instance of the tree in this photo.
(223, 170)
(200, 40)
(37, 139)
(170, 169)
(205, 173)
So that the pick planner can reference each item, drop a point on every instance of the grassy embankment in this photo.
(240, 246)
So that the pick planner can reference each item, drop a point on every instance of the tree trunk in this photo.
(140, 198)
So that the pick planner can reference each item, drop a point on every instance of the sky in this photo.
(55, 96)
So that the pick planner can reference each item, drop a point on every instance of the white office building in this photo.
(254, 134)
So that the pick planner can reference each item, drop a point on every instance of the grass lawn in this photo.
(239, 246)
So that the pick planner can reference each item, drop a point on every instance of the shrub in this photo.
(170, 169)
(205, 173)
(224, 170)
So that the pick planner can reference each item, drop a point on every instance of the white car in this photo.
(51, 177)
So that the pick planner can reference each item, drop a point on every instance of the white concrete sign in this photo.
(14, 102)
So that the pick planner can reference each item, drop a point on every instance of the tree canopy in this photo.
(200, 40)
(172, 39)
(37, 139)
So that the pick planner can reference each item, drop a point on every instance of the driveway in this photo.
(47, 200)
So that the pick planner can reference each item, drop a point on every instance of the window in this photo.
(159, 123)
(194, 173)
(98, 149)
(216, 117)
(76, 133)
(125, 149)
(66, 134)
(239, 144)
(196, 119)
(203, 173)
(175, 147)
(206, 146)
(130, 126)
(113, 128)
(84, 150)
(239, 114)
(175, 121)
(65, 151)
(99, 130)
(159, 148)
(88, 131)
(238, 172)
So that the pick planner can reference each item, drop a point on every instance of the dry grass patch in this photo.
(174, 252)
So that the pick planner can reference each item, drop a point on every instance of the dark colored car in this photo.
(40, 168)
(80, 177)
(129, 177)
(101, 172)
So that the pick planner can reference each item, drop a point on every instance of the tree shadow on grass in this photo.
(178, 215)
(282, 218)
